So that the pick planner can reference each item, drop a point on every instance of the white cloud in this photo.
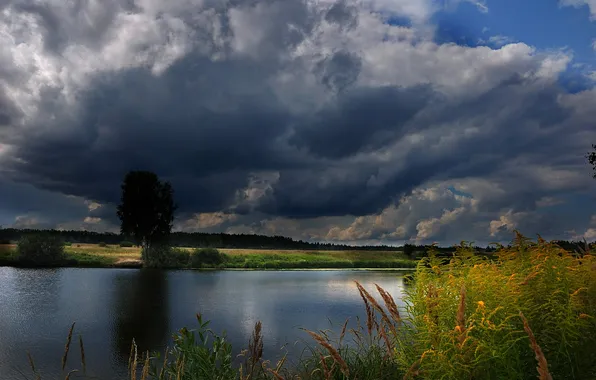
(500, 40)
(508, 222)
(591, 4)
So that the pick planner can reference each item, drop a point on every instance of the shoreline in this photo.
(281, 269)
(96, 256)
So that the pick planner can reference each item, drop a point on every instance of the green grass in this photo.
(93, 255)
(317, 260)
(73, 258)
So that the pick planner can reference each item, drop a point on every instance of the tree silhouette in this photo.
(592, 159)
(147, 208)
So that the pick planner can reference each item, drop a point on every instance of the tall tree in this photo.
(147, 208)
(592, 159)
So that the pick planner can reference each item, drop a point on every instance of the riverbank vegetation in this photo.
(529, 312)
(108, 256)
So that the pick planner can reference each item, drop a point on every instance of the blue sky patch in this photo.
(543, 24)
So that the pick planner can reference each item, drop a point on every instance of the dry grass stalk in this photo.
(387, 341)
(376, 306)
(32, 365)
(255, 346)
(133, 366)
(70, 373)
(180, 369)
(343, 331)
(332, 351)
(326, 370)
(145, 373)
(369, 311)
(543, 373)
(531, 276)
(255, 351)
(275, 374)
(132, 353)
(82, 348)
(67, 347)
(461, 318)
(390, 303)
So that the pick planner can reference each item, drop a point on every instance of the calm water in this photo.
(111, 306)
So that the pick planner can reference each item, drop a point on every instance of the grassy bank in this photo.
(94, 255)
(528, 313)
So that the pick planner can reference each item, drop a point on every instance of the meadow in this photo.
(529, 312)
(95, 255)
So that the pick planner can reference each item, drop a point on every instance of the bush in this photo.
(102, 244)
(68, 244)
(206, 257)
(126, 244)
(5, 241)
(162, 256)
(40, 250)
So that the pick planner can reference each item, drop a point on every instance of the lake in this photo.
(111, 306)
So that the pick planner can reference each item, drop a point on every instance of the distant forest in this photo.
(241, 241)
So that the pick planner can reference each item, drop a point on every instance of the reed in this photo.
(67, 346)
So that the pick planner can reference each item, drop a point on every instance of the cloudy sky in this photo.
(358, 121)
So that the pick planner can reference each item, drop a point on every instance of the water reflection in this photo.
(111, 307)
(141, 311)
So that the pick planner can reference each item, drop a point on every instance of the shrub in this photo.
(5, 241)
(162, 256)
(68, 244)
(126, 244)
(40, 250)
(209, 257)
(102, 244)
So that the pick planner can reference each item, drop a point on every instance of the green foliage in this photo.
(197, 354)
(40, 250)
(102, 244)
(147, 208)
(206, 257)
(163, 256)
(8, 256)
(67, 244)
(126, 244)
(464, 315)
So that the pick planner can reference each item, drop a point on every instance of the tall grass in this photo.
(472, 318)
(529, 312)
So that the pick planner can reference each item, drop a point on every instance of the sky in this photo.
(354, 121)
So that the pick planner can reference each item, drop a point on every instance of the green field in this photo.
(92, 255)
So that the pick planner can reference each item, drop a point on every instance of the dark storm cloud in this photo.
(362, 119)
(231, 105)
(139, 121)
(21, 199)
(8, 112)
